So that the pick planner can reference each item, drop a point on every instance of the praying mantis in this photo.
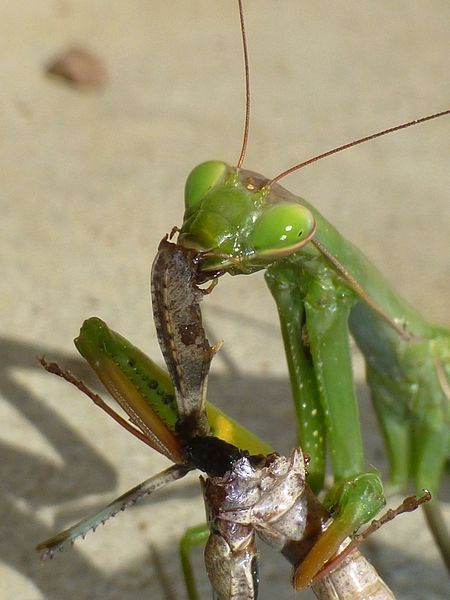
(242, 222)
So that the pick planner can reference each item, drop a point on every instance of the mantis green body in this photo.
(324, 287)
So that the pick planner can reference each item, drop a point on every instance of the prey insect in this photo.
(245, 494)
(145, 395)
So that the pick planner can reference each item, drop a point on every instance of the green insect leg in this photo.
(314, 319)
(430, 442)
(413, 413)
(327, 312)
(283, 284)
(416, 441)
(390, 407)
(193, 537)
(357, 496)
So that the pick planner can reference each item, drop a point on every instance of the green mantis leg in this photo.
(194, 536)
(417, 443)
(393, 424)
(327, 323)
(321, 374)
(409, 384)
(305, 392)
(314, 324)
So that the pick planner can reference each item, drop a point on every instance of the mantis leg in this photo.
(283, 284)
(323, 363)
(390, 412)
(194, 536)
(416, 441)
(315, 331)
(409, 384)
(327, 323)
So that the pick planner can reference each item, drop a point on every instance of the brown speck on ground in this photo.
(80, 67)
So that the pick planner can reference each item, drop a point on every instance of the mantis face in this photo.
(238, 222)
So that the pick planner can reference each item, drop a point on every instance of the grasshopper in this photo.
(244, 493)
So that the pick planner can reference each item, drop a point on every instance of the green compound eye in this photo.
(202, 179)
(282, 230)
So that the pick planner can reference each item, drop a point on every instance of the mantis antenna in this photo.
(318, 157)
(247, 87)
(362, 140)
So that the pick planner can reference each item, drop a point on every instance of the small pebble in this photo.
(79, 67)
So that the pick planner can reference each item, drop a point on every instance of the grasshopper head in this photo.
(237, 222)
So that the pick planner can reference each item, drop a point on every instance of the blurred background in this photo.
(92, 178)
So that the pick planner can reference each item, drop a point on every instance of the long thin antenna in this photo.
(356, 143)
(247, 87)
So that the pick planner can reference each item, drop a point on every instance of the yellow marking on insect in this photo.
(230, 431)
(224, 427)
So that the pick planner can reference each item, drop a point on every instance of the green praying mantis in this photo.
(399, 344)
(325, 289)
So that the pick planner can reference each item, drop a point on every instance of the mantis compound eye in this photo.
(282, 230)
(201, 180)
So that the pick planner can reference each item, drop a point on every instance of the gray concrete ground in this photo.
(91, 181)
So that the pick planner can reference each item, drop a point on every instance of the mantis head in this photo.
(238, 222)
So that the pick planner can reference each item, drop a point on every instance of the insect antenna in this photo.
(362, 140)
(247, 87)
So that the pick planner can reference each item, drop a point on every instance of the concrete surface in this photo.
(91, 181)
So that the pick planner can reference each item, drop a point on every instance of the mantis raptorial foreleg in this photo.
(323, 361)
(324, 338)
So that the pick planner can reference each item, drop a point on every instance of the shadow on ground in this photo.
(31, 482)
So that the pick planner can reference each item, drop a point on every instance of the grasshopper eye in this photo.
(282, 230)
(201, 180)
